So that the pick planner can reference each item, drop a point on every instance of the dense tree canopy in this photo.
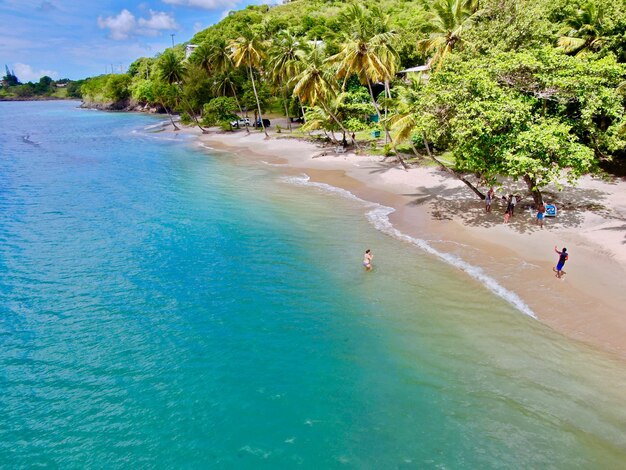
(530, 89)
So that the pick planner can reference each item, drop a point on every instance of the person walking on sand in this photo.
(540, 214)
(513, 202)
(367, 260)
(563, 257)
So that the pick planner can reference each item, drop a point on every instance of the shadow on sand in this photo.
(454, 203)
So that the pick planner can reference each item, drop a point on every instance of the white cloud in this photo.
(27, 74)
(228, 5)
(205, 4)
(125, 25)
(158, 20)
(225, 13)
(121, 26)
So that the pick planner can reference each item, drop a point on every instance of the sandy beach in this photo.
(587, 305)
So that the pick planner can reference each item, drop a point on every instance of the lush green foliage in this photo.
(219, 110)
(522, 88)
(46, 87)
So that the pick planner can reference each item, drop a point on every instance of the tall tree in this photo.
(367, 50)
(317, 84)
(447, 22)
(286, 55)
(214, 57)
(10, 78)
(584, 32)
(249, 51)
(172, 71)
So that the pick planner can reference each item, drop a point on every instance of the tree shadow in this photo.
(381, 167)
(460, 204)
(431, 194)
(618, 228)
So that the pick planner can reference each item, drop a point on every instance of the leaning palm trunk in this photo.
(395, 149)
(193, 115)
(302, 110)
(238, 105)
(451, 171)
(344, 130)
(176, 128)
(258, 104)
(380, 118)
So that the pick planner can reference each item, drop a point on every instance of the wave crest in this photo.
(378, 216)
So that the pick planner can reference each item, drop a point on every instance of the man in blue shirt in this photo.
(563, 256)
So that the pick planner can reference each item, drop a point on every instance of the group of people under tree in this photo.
(510, 202)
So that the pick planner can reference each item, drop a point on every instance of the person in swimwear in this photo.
(563, 256)
(367, 260)
(540, 214)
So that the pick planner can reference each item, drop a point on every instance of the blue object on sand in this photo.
(550, 210)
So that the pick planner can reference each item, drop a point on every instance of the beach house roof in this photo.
(189, 48)
(419, 68)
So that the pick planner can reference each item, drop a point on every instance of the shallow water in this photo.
(165, 308)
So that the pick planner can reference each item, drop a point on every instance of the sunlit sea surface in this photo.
(161, 307)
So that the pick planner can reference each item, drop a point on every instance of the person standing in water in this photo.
(563, 256)
(367, 260)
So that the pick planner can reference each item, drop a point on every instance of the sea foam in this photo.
(378, 216)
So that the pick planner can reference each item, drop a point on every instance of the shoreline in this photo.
(429, 205)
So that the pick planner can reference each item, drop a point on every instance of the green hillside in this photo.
(532, 89)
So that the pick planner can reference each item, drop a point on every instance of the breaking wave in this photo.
(378, 216)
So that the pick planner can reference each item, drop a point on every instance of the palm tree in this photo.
(319, 119)
(317, 84)
(584, 30)
(201, 57)
(448, 20)
(224, 83)
(367, 50)
(172, 71)
(222, 64)
(164, 93)
(285, 62)
(214, 57)
(406, 124)
(249, 51)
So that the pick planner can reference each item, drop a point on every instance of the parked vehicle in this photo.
(266, 123)
(242, 122)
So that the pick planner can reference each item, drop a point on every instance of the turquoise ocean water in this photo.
(161, 307)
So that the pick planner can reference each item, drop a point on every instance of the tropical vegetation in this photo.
(527, 89)
(12, 88)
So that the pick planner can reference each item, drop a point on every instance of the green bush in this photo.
(185, 118)
(355, 125)
(218, 110)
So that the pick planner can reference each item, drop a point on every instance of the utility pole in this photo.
(172, 35)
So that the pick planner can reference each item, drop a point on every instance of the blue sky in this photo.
(76, 39)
